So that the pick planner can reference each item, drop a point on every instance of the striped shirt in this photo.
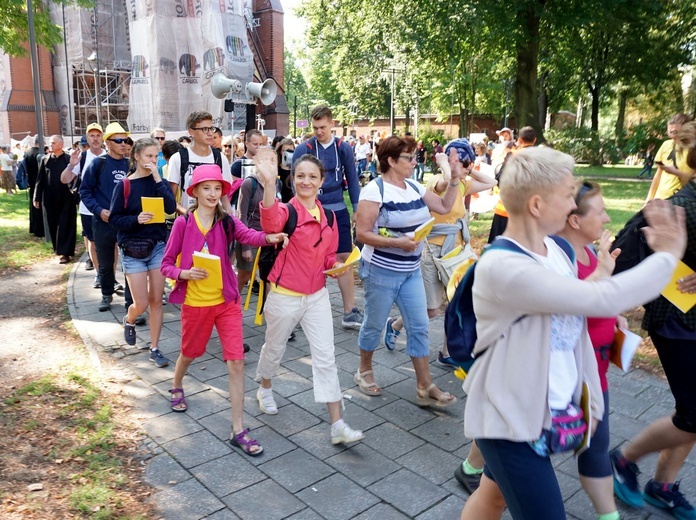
(402, 211)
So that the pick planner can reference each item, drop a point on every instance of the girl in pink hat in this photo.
(207, 229)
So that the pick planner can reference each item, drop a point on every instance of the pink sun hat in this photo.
(208, 172)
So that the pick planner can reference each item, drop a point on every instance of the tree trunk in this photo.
(408, 119)
(463, 122)
(543, 100)
(623, 99)
(526, 92)
(594, 92)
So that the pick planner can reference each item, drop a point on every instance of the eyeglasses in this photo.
(160, 138)
(120, 140)
(205, 129)
(409, 158)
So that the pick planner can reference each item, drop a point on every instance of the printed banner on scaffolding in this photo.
(177, 46)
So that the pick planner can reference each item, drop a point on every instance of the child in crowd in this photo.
(207, 229)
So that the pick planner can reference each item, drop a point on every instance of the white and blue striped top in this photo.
(402, 211)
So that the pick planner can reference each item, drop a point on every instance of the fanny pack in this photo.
(567, 431)
(138, 248)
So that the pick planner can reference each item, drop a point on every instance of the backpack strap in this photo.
(126, 191)
(99, 165)
(83, 159)
(565, 246)
(183, 167)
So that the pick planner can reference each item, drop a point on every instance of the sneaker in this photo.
(105, 304)
(292, 336)
(626, 479)
(96, 283)
(140, 321)
(118, 287)
(158, 359)
(247, 348)
(353, 319)
(129, 332)
(344, 434)
(390, 334)
(667, 496)
(469, 482)
(89, 266)
(266, 402)
(255, 287)
(449, 362)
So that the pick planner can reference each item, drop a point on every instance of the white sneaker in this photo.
(266, 402)
(345, 434)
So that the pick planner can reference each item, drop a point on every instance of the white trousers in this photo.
(313, 313)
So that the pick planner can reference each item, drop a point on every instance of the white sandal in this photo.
(371, 389)
(423, 398)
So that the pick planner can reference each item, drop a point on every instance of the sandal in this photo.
(178, 404)
(371, 389)
(423, 398)
(245, 444)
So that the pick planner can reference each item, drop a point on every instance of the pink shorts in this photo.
(197, 326)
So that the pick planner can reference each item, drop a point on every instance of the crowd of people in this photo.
(546, 302)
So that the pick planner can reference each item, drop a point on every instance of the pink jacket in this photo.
(187, 238)
(311, 250)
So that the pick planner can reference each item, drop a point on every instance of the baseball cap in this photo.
(94, 126)
(83, 141)
(504, 129)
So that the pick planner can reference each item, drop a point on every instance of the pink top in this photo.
(601, 330)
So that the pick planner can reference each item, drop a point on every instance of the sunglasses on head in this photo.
(585, 187)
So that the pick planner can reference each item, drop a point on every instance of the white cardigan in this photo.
(507, 387)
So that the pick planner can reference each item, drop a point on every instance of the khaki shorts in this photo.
(241, 263)
(434, 290)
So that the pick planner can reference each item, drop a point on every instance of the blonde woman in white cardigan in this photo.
(534, 349)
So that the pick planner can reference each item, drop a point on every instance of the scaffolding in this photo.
(113, 94)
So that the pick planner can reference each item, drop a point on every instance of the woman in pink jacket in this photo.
(298, 291)
(207, 229)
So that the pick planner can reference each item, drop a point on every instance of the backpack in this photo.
(631, 240)
(184, 167)
(460, 318)
(21, 177)
(254, 187)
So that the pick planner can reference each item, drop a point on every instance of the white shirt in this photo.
(76, 170)
(174, 172)
(361, 151)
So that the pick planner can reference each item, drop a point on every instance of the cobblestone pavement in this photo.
(403, 469)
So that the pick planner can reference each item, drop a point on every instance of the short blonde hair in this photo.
(532, 171)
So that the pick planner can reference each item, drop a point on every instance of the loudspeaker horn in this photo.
(266, 91)
(221, 85)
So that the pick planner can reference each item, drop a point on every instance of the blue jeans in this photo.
(419, 171)
(362, 164)
(383, 288)
(527, 481)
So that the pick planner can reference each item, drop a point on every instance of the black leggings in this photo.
(678, 358)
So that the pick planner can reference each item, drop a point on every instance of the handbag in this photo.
(445, 267)
(567, 432)
(138, 248)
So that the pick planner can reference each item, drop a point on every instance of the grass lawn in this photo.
(17, 247)
(617, 170)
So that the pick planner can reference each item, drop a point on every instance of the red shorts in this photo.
(197, 326)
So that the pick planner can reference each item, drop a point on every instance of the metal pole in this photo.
(38, 102)
(294, 115)
(97, 73)
(391, 103)
(67, 78)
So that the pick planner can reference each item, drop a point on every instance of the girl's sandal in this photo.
(178, 404)
(244, 443)
(423, 398)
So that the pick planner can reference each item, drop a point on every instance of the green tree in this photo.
(14, 24)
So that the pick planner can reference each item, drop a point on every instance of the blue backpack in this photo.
(460, 319)
(21, 177)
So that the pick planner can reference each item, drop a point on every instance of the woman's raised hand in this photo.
(266, 162)
(443, 162)
(666, 230)
(606, 260)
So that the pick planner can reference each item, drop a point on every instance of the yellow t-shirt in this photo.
(197, 294)
(458, 209)
(670, 184)
(316, 215)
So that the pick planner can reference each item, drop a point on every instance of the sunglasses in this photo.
(160, 138)
(466, 163)
(227, 146)
(121, 140)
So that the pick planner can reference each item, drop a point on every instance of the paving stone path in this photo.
(403, 469)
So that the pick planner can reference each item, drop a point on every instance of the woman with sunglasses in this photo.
(391, 208)
(298, 291)
(533, 351)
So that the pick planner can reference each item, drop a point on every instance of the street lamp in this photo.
(93, 61)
